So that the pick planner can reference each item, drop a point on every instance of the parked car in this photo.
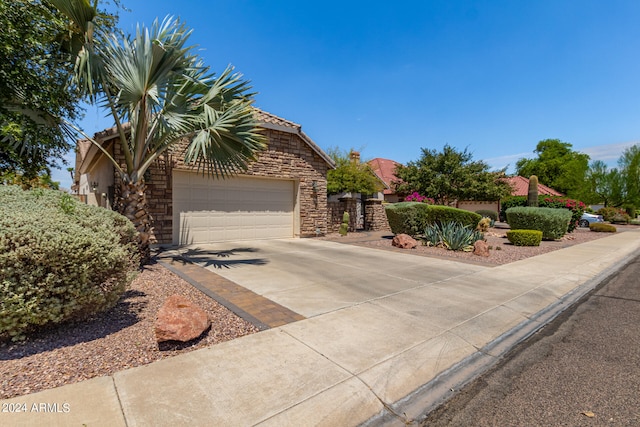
(586, 219)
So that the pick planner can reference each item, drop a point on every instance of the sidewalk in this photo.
(384, 361)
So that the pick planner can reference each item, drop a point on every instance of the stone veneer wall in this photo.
(375, 216)
(374, 213)
(287, 157)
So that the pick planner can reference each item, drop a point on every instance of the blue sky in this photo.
(389, 78)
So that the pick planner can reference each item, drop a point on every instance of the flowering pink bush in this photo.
(416, 197)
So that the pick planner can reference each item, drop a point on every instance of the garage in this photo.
(208, 210)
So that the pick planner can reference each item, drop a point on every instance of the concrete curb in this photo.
(444, 386)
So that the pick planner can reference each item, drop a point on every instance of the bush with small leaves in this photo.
(602, 227)
(552, 222)
(525, 237)
(484, 224)
(60, 260)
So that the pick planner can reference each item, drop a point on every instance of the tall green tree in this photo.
(34, 92)
(351, 175)
(159, 93)
(556, 166)
(603, 185)
(452, 175)
(629, 166)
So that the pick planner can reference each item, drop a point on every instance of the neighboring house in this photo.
(282, 194)
(520, 186)
(385, 170)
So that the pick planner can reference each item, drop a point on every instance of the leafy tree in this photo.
(157, 84)
(34, 94)
(629, 166)
(556, 166)
(451, 175)
(350, 175)
(602, 185)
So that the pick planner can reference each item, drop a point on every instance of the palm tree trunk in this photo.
(132, 203)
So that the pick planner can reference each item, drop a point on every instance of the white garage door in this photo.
(209, 210)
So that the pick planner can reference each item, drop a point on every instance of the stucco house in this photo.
(282, 194)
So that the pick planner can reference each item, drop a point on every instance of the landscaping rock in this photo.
(179, 319)
(481, 248)
(404, 241)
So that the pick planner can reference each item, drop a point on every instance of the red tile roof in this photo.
(385, 170)
(520, 186)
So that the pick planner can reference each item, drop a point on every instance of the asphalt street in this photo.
(583, 369)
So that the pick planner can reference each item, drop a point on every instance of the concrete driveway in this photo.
(313, 277)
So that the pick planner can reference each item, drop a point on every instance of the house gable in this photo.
(290, 155)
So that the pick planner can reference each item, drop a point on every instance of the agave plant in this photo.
(431, 235)
(453, 235)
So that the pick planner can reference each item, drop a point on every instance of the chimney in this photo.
(355, 156)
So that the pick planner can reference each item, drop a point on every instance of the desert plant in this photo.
(552, 222)
(60, 260)
(487, 213)
(525, 237)
(454, 236)
(532, 194)
(484, 224)
(344, 227)
(602, 227)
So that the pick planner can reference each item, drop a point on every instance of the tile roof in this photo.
(520, 186)
(385, 170)
(264, 117)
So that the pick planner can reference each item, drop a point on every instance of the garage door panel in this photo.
(235, 209)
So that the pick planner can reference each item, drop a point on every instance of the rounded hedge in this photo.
(60, 260)
(525, 237)
(602, 227)
(552, 222)
(413, 217)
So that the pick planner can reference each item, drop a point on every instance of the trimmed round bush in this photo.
(525, 237)
(407, 217)
(60, 260)
(602, 227)
(552, 222)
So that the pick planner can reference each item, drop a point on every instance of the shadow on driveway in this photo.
(218, 259)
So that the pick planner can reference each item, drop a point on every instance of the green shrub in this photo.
(510, 202)
(438, 214)
(407, 217)
(608, 213)
(484, 224)
(552, 222)
(486, 213)
(634, 222)
(602, 227)
(60, 260)
(576, 207)
(453, 236)
(525, 237)
(621, 218)
(413, 217)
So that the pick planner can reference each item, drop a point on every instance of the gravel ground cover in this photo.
(123, 337)
(501, 251)
(110, 342)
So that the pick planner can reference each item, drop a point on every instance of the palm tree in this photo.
(159, 94)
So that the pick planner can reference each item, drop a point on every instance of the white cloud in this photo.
(608, 153)
(509, 160)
